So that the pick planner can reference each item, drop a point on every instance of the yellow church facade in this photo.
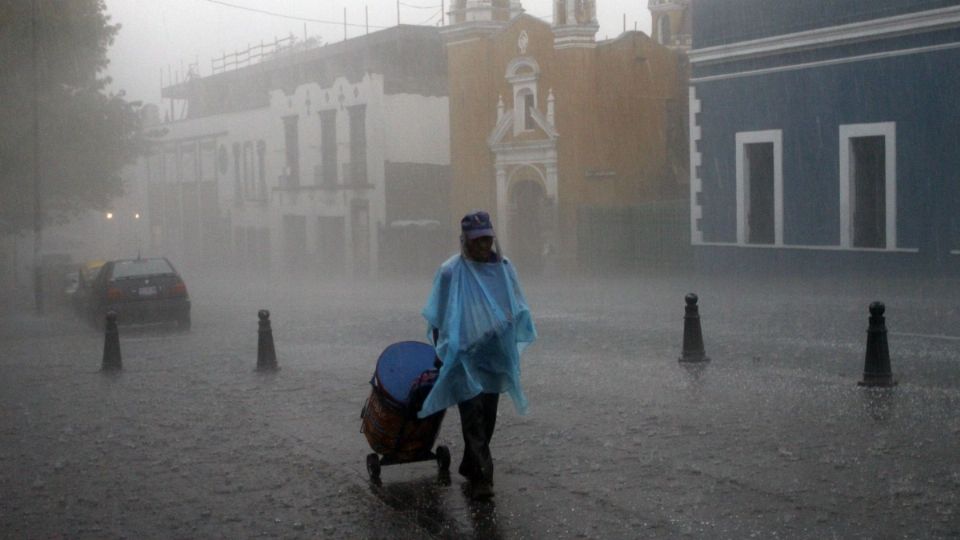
(560, 137)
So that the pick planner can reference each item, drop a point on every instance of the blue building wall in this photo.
(919, 92)
(718, 22)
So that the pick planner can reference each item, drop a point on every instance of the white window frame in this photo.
(744, 138)
(522, 73)
(887, 130)
(520, 107)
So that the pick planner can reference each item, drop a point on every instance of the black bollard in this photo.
(266, 355)
(111, 345)
(692, 335)
(876, 367)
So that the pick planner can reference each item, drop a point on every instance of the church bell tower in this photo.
(574, 24)
(466, 11)
(671, 23)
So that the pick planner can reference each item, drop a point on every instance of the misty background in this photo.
(167, 36)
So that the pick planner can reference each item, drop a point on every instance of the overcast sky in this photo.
(158, 35)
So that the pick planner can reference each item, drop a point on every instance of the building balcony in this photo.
(351, 177)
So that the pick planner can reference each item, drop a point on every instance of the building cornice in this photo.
(575, 36)
(657, 7)
(521, 153)
(469, 31)
(924, 21)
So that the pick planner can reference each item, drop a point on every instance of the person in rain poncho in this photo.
(479, 323)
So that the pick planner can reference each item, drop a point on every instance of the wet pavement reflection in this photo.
(772, 438)
(430, 503)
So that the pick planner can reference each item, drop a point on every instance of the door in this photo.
(869, 191)
(360, 237)
(759, 188)
(295, 243)
(330, 245)
(527, 227)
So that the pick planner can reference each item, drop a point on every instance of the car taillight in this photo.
(179, 289)
(114, 293)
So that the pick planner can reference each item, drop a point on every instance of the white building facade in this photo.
(305, 163)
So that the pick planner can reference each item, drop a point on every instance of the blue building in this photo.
(825, 135)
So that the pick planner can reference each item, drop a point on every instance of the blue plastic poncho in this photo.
(484, 325)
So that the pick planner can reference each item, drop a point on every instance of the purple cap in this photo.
(476, 224)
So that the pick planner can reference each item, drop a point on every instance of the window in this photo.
(188, 162)
(358, 144)
(663, 30)
(759, 183)
(331, 243)
(528, 123)
(141, 267)
(328, 146)
(237, 175)
(760, 187)
(955, 220)
(248, 170)
(867, 187)
(295, 242)
(524, 104)
(291, 134)
(868, 211)
(208, 161)
(262, 168)
(522, 74)
(155, 165)
(360, 235)
(170, 165)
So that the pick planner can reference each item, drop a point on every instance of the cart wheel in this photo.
(443, 458)
(373, 466)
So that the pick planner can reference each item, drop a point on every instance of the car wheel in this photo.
(373, 467)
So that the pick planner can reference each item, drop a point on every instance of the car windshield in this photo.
(141, 267)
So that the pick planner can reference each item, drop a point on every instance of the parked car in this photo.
(81, 296)
(140, 291)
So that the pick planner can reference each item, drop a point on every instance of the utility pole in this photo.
(37, 208)
(398, 12)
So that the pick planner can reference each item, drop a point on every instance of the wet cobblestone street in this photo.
(773, 438)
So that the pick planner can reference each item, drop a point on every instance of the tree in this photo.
(86, 136)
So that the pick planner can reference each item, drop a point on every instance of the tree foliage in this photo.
(85, 136)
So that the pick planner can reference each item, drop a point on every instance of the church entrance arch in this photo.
(528, 220)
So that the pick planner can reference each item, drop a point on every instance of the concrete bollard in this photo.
(266, 354)
(111, 345)
(693, 350)
(876, 367)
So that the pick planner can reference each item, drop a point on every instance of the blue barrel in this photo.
(400, 365)
(390, 427)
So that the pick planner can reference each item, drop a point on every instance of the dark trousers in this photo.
(478, 417)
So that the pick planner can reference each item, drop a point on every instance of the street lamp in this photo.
(117, 239)
(136, 217)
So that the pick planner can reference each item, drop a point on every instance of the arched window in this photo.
(527, 102)
(663, 30)
(522, 73)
